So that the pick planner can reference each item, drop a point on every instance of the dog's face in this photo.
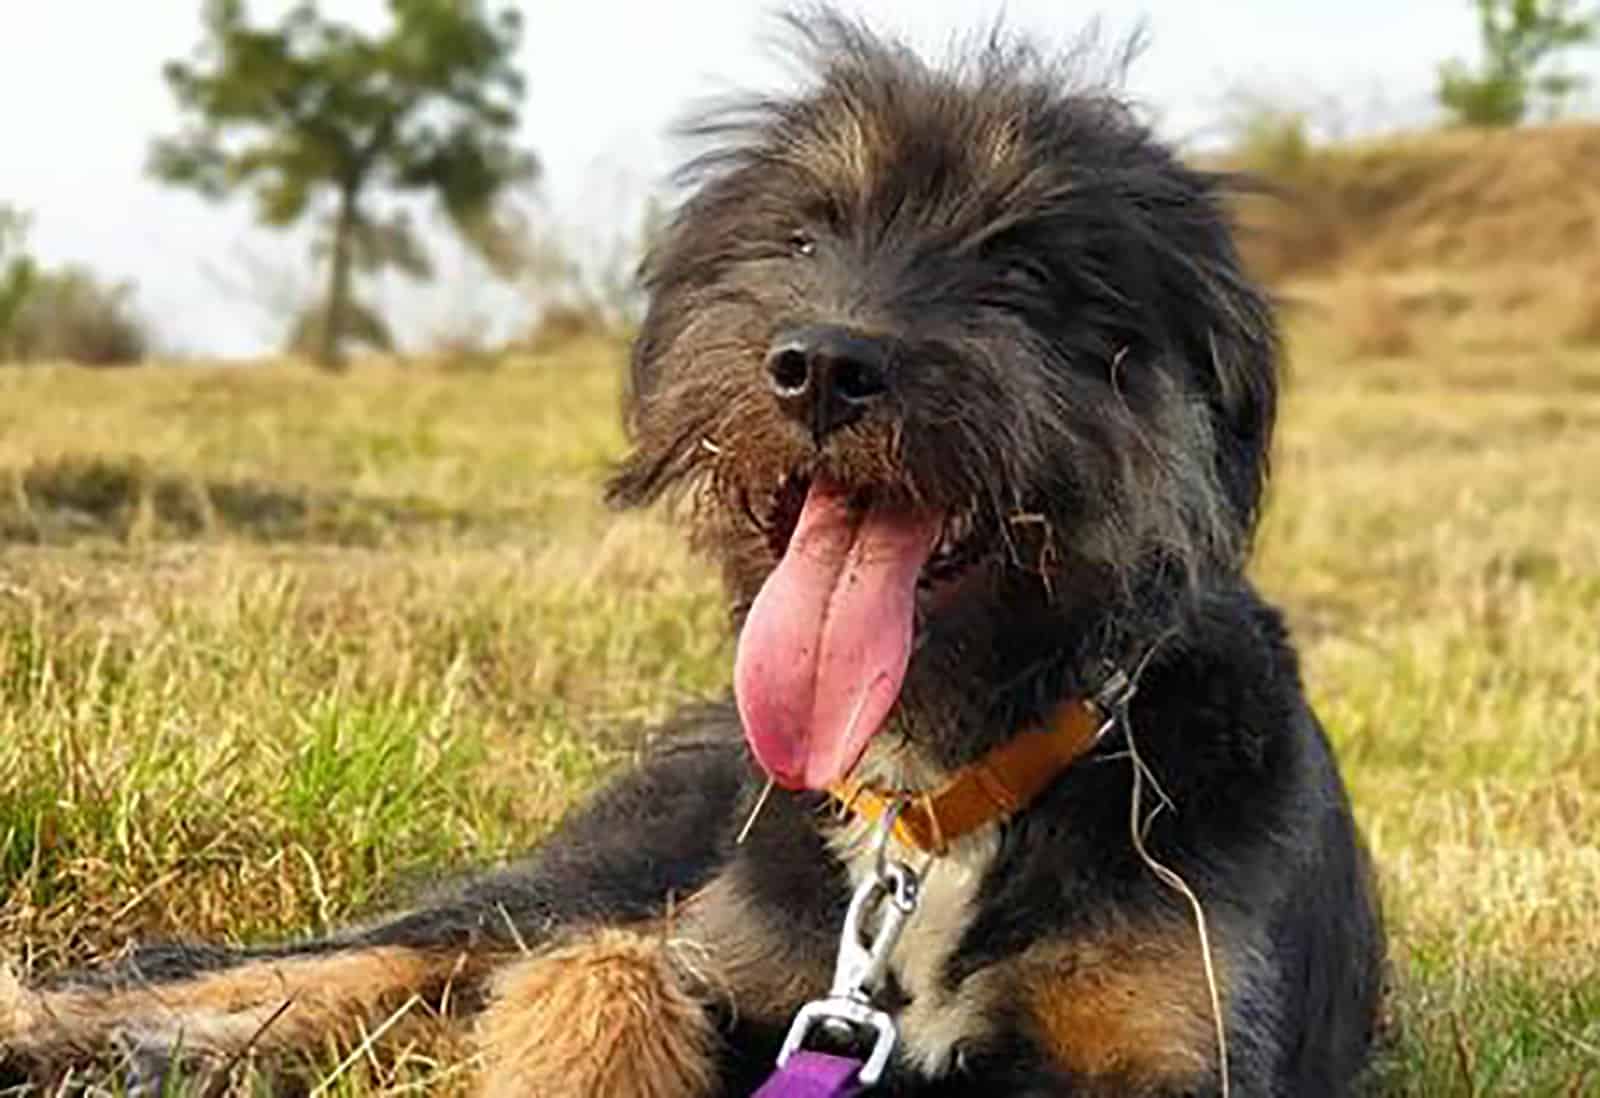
(947, 356)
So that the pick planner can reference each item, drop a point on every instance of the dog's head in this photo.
(950, 357)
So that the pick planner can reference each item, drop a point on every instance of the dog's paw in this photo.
(44, 1046)
(20, 1062)
(14, 1014)
(607, 1014)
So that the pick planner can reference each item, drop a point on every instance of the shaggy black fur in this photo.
(1077, 371)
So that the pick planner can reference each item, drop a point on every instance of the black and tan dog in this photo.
(972, 400)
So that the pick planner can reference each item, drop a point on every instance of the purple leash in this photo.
(891, 892)
(814, 1075)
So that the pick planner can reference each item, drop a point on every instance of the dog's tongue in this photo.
(825, 646)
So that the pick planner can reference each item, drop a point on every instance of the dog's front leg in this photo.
(690, 1006)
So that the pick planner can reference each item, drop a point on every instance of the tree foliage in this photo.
(314, 117)
(17, 271)
(1521, 41)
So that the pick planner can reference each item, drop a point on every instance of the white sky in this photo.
(81, 95)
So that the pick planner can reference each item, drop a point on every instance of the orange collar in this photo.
(982, 792)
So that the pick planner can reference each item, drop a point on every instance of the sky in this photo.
(81, 96)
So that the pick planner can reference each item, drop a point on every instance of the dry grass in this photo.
(276, 646)
(1438, 543)
(1583, 321)
(1374, 321)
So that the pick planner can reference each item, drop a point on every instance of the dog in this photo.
(956, 372)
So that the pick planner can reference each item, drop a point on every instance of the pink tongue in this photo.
(824, 649)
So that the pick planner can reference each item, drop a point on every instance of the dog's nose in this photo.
(826, 376)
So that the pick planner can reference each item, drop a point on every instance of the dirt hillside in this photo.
(1448, 201)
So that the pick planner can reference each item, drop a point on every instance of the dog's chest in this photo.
(939, 1021)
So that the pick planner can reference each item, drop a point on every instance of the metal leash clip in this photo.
(891, 891)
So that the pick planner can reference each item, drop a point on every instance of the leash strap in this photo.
(809, 1074)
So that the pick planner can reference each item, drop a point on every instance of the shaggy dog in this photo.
(957, 375)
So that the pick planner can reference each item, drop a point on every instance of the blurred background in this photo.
(316, 601)
(604, 84)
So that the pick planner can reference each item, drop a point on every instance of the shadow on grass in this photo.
(69, 499)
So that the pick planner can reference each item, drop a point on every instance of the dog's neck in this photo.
(987, 791)
(993, 669)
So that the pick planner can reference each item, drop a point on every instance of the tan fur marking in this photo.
(1133, 1005)
(841, 155)
(607, 1015)
(221, 1012)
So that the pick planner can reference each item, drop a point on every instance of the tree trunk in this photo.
(330, 342)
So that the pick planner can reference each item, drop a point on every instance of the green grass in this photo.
(276, 647)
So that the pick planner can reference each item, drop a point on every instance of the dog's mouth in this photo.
(825, 646)
(959, 548)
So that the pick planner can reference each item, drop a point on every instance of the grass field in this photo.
(276, 647)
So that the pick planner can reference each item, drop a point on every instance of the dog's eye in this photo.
(802, 243)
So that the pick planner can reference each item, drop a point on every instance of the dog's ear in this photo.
(1240, 367)
(635, 480)
(660, 451)
(632, 483)
(1229, 337)
(642, 476)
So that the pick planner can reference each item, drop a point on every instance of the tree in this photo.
(1520, 40)
(18, 273)
(314, 117)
